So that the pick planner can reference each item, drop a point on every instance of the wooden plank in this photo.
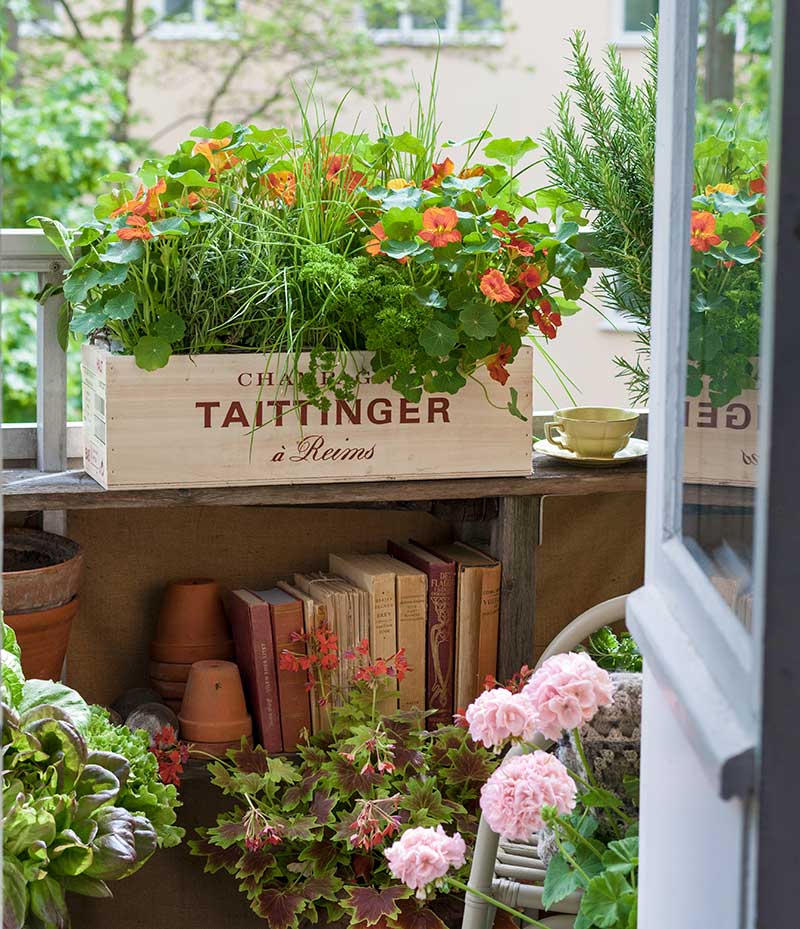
(51, 382)
(514, 543)
(34, 490)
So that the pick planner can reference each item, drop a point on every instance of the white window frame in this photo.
(198, 28)
(622, 37)
(452, 34)
(692, 641)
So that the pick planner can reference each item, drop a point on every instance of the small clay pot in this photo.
(213, 708)
(192, 624)
(43, 637)
(170, 690)
(169, 671)
(40, 570)
(189, 653)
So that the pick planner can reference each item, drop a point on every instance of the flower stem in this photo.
(582, 755)
(500, 906)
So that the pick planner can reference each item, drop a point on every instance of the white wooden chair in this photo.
(512, 872)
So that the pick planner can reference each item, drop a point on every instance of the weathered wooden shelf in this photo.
(29, 489)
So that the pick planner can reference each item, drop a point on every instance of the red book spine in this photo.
(441, 627)
(294, 699)
(255, 654)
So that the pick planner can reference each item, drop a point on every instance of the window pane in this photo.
(382, 14)
(178, 10)
(429, 14)
(216, 10)
(639, 14)
(728, 237)
(481, 14)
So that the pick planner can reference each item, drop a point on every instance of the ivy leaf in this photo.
(478, 321)
(622, 855)
(122, 252)
(509, 151)
(280, 908)
(120, 306)
(170, 326)
(559, 881)
(152, 352)
(369, 905)
(438, 339)
(513, 407)
(608, 900)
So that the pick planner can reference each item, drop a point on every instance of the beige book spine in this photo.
(412, 601)
(468, 617)
(489, 627)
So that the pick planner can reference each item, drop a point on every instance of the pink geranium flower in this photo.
(423, 855)
(567, 691)
(498, 715)
(513, 797)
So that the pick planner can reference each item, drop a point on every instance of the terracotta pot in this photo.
(169, 671)
(192, 624)
(213, 708)
(43, 637)
(171, 690)
(40, 570)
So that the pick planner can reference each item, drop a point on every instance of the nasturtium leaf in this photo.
(438, 339)
(401, 224)
(622, 855)
(509, 151)
(479, 245)
(120, 306)
(705, 343)
(396, 249)
(152, 352)
(513, 405)
(116, 177)
(453, 185)
(430, 296)
(170, 326)
(123, 252)
(89, 233)
(409, 385)
(412, 197)
(735, 228)
(710, 147)
(565, 307)
(193, 178)
(694, 382)
(608, 900)
(370, 905)
(89, 321)
(172, 225)
(113, 276)
(107, 203)
(221, 131)
(478, 321)
(79, 283)
(408, 143)
(559, 881)
(742, 254)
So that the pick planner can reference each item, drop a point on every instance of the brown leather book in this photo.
(251, 622)
(440, 626)
(477, 618)
(288, 618)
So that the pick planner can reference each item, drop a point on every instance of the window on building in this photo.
(41, 16)
(632, 19)
(194, 18)
(427, 22)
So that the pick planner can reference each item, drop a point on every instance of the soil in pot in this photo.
(213, 708)
(43, 637)
(40, 570)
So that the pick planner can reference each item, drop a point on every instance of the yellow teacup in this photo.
(592, 431)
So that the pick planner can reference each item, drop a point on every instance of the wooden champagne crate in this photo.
(233, 419)
(720, 444)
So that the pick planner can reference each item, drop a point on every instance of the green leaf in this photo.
(52, 693)
(408, 143)
(89, 321)
(193, 178)
(152, 352)
(79, 283)
(735, 228)
(438, 339)
(15, 894)
(509, 151)
(62, 326)
(401, 224)
(172, 225)
(478, 321)
(171, 327)
(622, 855)
(113, 276)
(123, 252)
(120, 306)
(565, 307)
(429, 296)
(711, 147)
(48, 903)
(221, 131)
(598, 798)
(402, 249)
(608, 900)
(559, 882)
(54, 232)
(513, 407)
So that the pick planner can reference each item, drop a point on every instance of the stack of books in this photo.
(440, 604)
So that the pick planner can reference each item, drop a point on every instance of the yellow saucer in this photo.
(633, 451)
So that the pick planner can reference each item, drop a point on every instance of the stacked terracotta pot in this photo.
(188, 667)
(191, 627)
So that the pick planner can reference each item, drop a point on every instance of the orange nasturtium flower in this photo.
(496, 364)
(474, 171)
(703, 235)
(759, 184)
(219, 161)
(547, 319)
(337, 168)
(440, 171)
(439, 226)
(282, 185)
(529, 278)
(373, 247)
(398, 183)
(721, 188)
(494, 286)
(147, 202)
(755, 235)
(502, 217)
(136, 227)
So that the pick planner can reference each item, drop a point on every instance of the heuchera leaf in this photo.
(468, 766)
(217, 858)
(414, 916)
(322, 888)
(226, 834)
(280, 908)
(368, 904)
(321, 806)
(255, 864)
(250, 759)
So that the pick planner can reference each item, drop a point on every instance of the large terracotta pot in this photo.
(43, 637)
(213, 708)
(40, 570)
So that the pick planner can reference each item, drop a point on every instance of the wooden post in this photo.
(515, 536)
(720, 52)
